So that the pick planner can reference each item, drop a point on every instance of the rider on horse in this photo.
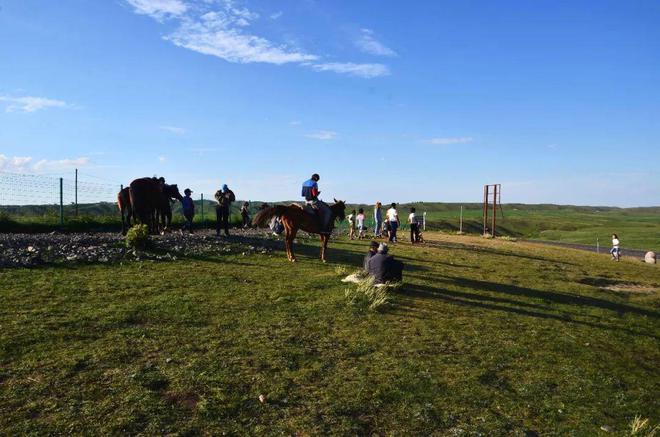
(310, 191)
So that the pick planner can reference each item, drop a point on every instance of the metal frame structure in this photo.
(494, 192)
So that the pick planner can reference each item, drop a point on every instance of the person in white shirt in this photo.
(351, 225)
(414, 227)
(615, 251)
(393, 219)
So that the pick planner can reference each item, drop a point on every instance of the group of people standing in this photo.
(224, 197)
(385, 228)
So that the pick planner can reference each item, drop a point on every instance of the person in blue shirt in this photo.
(310, 191)
(188, 210)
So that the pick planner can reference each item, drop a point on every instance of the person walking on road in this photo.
(393, 219)
(224, 197)
(615, 251)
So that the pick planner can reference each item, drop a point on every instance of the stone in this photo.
(650, 257)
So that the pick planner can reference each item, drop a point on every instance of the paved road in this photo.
(624, 252)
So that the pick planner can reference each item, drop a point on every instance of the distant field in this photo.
(638, 228)
(484, 338)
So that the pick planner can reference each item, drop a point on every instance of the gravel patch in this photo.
(31, 250)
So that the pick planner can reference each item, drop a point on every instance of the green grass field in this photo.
(484, 338)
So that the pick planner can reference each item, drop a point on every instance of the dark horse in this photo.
(124, 205)
(294, 217)
(147, 199)
(164, 210)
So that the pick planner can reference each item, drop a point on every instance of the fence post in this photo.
(202, 210)
(460, 227)
(61, 202)
(597, 245)
(424, 221)
(76, 192)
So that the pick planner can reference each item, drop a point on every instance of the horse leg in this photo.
(292, 237)
(324, 244)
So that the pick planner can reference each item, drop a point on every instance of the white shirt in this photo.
(615, 242)
(392, 215)
(412, 218)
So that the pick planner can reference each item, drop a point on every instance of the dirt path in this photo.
(636, 253)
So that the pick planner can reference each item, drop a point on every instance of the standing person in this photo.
(188, 207)
(414, 226)
(393, 219)
(378, 218)
(224, 197)
(360, 224)
(615, 251)
(310, 191)
(351, 225)
(245, 215)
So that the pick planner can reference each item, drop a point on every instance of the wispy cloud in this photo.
(449, 140)
(368, 43)
(159, 9)
(26, 164)
(30, 104)
(367, 71)
(173, 129)
(276, 15)
(162, 158)
(322, 135)
(295, 122)
(222, 29)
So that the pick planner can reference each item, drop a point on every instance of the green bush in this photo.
(137, 237)
(367, 295)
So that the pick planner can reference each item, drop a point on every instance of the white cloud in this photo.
(162, 158)
(276, 15)
(15, 163)
(295, 122)
(220, 28)
(369, 44)
(367, 71)
(159, 9)
(450, 140)
(30, 104)
(46, 165)
(173, 129)
(322, 135)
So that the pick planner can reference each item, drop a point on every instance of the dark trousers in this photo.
(222, 219)
(414, 232)
(393, 228)
(188, 223)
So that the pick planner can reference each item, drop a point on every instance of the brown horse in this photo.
(164, 210)
(124, 205)
(146, 194)
(294, 217)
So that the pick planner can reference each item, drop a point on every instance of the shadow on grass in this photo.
(522, 308)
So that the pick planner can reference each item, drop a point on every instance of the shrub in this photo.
(137, 237)
(367, 295)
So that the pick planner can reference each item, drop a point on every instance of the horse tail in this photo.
(262, 217)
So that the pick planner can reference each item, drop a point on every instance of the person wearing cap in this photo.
(384, 268)
(373, 249)
(378, 219)
(188, 207)
(224, 197)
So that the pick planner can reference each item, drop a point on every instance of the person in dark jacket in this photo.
(385, 268)
(224, 197)
(373, 249)
(188, 207)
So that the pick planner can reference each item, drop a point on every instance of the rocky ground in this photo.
(29, 250)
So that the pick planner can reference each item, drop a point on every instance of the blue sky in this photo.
(392, 101)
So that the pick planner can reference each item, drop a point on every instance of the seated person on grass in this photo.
(373, 249)
(384, 268)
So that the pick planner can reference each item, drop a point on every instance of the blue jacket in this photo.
(187, 205)
(307, 189)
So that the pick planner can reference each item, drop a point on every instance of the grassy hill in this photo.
(638, 228)
(486, 337)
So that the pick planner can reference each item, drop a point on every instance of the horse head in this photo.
(172, 192)
(339, 209)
